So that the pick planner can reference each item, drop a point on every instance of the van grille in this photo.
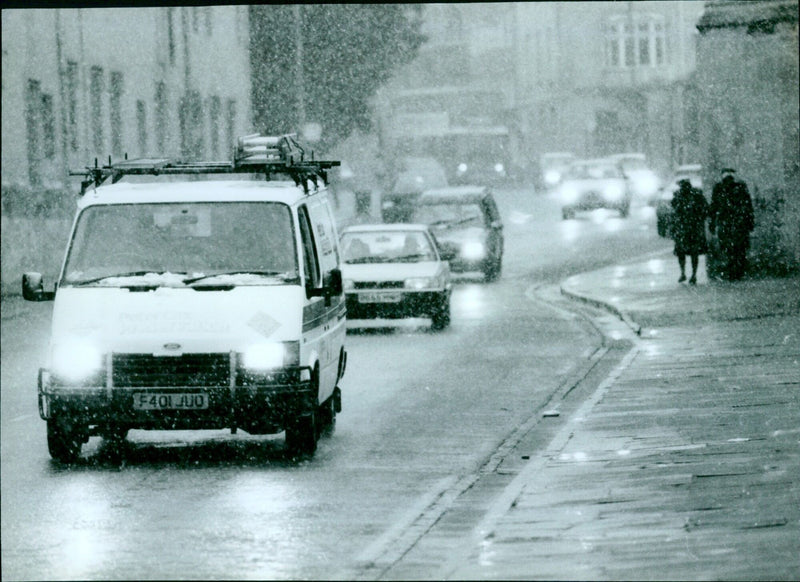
(146, 370)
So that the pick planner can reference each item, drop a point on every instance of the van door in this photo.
(323, 320)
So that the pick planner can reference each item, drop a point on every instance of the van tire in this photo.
(326, 417)
(64, 440)
(302, 434)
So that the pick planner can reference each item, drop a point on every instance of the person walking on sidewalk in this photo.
(732, 219)
(689, 227)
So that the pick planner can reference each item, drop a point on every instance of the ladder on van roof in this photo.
(254, 154)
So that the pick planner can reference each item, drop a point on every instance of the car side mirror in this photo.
(447, 252)
(33, 288)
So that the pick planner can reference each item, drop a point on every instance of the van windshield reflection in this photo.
(175, 244)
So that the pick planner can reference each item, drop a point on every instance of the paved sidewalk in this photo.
(685, 462)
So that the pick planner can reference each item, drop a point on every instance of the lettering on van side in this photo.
(173, 321)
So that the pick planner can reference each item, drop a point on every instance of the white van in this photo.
(210, 302)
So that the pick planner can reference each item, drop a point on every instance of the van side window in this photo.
(310, 259)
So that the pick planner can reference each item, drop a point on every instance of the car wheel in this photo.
(492, 272)
(441, 317)
(625, 210)
(64, 440)
(567, 213)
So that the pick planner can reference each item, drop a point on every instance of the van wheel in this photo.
(64, 440)
(326, 415)
(302, 434)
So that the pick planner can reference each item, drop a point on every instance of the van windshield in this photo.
(174, 243)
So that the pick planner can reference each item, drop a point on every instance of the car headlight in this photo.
(613, 191)
(552, 177)
(268, 356)
(499, 168)
(462, 167)
(76, 361)
(568, 193)
(646, 184)
(473, 250)
(419, 282)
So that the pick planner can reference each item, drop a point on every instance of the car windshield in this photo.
(588, 172)
(196, 240)
(387, 247)
(447, 215)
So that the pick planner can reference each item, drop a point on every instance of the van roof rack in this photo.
(253, 154)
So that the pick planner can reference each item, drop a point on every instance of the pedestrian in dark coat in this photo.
(732, 219)
(689, 227)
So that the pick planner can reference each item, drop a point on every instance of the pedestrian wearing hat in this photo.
(732, 219)
(689, 227)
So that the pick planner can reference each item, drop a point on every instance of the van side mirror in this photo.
(33, 288)
(331, 285)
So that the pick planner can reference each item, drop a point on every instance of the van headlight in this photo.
(270, 355)
(76, 361)
(473, 250)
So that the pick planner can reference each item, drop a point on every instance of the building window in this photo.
(215, 111)
(635, 41)
(33, 104)
(141, 125)
(48, 127)
(161, 116)
(96, 89)
(116, 113)
(72, 104)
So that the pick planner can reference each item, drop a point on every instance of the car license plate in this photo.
(170, 401)
(379, 297)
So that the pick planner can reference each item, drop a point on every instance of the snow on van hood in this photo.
(121, 320)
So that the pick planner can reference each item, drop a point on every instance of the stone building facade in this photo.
(86, 84)
(592, 78)
(80, 84)
(749, 115)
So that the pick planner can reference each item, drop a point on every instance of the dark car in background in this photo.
(466, 222)
(410, 177)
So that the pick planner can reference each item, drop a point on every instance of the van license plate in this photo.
(170, 401)
(379, 297)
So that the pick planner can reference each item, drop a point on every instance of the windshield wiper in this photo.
(191, 280)
(118, 275)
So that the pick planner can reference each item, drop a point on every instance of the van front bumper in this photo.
(269, 406)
